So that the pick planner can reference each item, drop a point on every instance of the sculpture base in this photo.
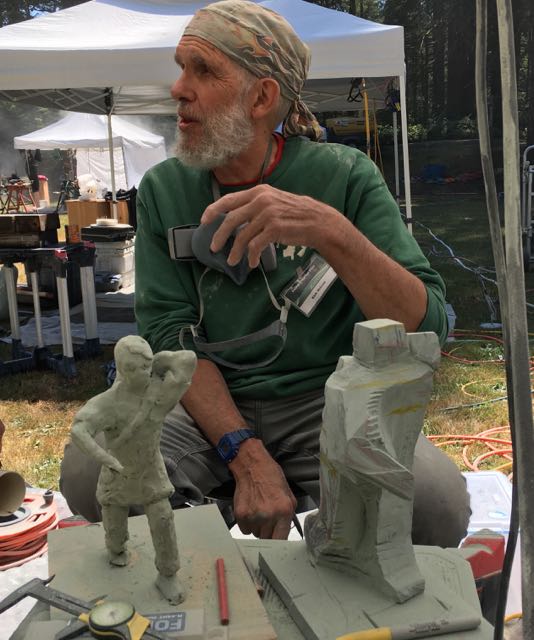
(78, 558)
(326, 604)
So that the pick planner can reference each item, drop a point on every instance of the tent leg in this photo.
(396, 154)
(405, 156)
(112, 167)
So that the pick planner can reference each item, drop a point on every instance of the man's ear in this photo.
(266, 98)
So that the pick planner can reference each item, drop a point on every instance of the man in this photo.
(255, 418)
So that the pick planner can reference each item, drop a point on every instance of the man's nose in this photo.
(181, 89)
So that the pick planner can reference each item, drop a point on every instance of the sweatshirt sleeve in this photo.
(166, 299)
(376, 214)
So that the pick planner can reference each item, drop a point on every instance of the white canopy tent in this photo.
(116, 56)
(135, 150)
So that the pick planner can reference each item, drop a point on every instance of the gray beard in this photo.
(223, 137)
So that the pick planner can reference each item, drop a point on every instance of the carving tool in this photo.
(222, 592)
(260, 590)
(104, 619)
(416, 630)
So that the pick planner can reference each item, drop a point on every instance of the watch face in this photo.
(228, 446)
(225, 446)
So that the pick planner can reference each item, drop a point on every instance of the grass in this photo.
(38, 407)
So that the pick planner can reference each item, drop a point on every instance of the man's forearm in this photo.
(383, 288)
(210, 404)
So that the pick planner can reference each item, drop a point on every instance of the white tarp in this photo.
(128, 46)
(135, 149)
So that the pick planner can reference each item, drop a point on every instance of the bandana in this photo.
(265, 44)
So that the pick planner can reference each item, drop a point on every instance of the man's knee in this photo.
(441, 505)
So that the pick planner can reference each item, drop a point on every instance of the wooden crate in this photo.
(85, 212)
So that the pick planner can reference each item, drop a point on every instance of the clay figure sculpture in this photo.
(131, 415)
(374, 407)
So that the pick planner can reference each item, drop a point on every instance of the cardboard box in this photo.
(85, 212)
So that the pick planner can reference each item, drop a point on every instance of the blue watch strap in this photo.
(228, 446)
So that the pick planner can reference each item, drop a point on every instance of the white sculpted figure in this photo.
(374, 408)
(131, 415)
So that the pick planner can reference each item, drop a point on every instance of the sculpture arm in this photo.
(263, 502)
(83, 435)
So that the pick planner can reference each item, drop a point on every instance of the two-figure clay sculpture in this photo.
(374, 409)
(131, 414)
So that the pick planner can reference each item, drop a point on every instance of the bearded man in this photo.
(252, 414)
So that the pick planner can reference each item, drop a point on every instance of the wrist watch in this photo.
(229, 444)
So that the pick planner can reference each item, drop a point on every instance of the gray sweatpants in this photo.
(290, 429)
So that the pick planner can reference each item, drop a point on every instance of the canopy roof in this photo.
(121, 52)
(135, 149)
(83, 130)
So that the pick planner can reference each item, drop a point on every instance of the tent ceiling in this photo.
(66, 60)
(319, 95)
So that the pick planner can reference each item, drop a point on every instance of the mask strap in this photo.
(277, 329)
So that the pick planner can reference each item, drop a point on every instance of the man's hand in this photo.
(269, 215)
(263, 502)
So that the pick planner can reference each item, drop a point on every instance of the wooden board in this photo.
(77, 557)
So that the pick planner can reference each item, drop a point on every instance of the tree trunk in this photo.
(461, 63)
(530, 79)
(438, 61)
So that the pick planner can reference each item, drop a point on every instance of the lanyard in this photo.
(276, 329)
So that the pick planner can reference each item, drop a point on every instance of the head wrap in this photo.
(265, 44)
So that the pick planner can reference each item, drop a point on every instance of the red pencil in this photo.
(222, 591)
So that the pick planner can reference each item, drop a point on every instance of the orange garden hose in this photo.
(27, 538)
(484, 437)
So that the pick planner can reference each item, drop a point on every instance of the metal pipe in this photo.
(11, 274)
(87, 281)
(112, 167)
(396, 154)
(405, 155)
(520, 356)
(37, 309)
(500, 267)
(64, 317)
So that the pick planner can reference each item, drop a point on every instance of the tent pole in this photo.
(405, 156)
(396, 154)
(109, 108)
(366, 115)
(112, 167)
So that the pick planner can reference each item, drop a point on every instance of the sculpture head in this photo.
(133, 358)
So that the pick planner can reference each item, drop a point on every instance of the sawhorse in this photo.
(57, 258)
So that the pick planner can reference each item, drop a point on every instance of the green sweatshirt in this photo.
(167, 299)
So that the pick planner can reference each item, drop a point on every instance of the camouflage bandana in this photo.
(265, 44)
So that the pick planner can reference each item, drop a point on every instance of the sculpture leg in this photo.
(161, 523)
(115, 521)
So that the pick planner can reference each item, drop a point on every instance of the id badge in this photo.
(310, 285)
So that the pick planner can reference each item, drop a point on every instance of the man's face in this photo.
(214, 123)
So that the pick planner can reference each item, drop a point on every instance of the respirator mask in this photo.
(193, 243)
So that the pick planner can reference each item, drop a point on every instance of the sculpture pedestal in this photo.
(78, 558)
(325, 603)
